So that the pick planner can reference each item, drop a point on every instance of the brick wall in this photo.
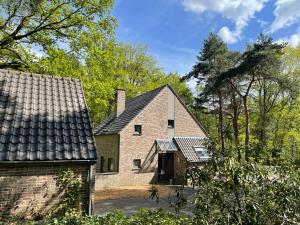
(180, 165)
(107, 147)
(32, 190)
(154, 121)
(185, 125)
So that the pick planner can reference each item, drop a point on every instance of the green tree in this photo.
(103, 65)
(259, 62)
(42, 23)
(213, 59)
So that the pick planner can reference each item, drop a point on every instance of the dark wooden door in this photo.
(165, 166)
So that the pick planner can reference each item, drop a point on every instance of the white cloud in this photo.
(293, 40)
(229, 36)
(238, 11)
(287, 12)
(262, 23)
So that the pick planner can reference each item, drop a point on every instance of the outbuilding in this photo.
(44, 129)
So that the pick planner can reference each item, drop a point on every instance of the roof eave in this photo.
(50, 162)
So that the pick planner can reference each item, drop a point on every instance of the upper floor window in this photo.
(170, 123)
(138, 129)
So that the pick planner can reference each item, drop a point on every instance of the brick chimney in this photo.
(120, 99)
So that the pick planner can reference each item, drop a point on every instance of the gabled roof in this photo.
(187, 145)
(43, 118)
(113, 125)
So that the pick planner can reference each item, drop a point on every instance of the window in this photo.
(137, 129)
(102, 164)
(137, 164)
(202, 152)
(110, 164)
(170, 123)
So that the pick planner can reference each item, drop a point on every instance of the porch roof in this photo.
(166, 145)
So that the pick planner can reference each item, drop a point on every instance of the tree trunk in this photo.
(221, 122)
(247, 128)
(236, 126)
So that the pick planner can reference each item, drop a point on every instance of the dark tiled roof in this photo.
(43, 118)
(113, 125)
(186, 146)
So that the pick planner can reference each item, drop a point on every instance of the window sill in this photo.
(107, 173)
(137, 134)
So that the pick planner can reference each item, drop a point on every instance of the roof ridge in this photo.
(161, 87)
(17, 72)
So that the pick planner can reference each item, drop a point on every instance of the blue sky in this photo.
(174, 30)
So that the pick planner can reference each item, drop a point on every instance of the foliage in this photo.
(142, 217)
(233, 192)
(103, 65)
(43, 23)
(70, 187)
(247, 98)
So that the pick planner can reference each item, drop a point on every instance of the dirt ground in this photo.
(132, 192)
(130, 200)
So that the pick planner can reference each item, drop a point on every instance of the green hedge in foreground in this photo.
(142, 217)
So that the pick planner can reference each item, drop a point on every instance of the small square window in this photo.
(170, 123)
(110, 164)
(137, 164)
(138, 129)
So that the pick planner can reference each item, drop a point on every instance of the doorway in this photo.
(165, 167)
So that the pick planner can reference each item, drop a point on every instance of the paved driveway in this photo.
(133, 204)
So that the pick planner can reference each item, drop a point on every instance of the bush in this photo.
(142, 217)
(233, 192)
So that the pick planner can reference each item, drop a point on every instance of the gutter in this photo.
(49, 162)
(90, 201)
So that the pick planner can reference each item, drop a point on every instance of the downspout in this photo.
(90, 204)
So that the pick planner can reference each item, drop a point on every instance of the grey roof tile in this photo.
(186, 146)
(43, 118)
(113, 125)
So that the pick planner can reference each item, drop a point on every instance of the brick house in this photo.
(148, 139)
(44, 128)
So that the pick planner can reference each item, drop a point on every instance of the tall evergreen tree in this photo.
(213, 59)
(259, 62)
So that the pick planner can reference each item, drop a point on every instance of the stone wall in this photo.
(31, 190)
